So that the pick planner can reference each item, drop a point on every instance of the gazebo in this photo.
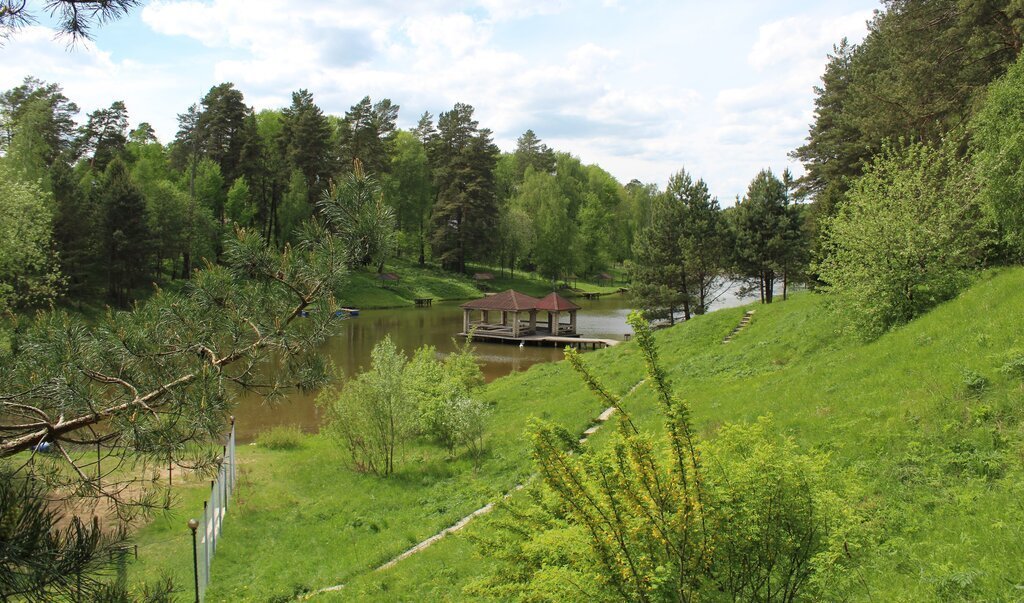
(511, 304)
(555, 305)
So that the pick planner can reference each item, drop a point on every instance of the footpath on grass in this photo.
(462, 523)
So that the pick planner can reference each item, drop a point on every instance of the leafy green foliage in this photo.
(29, 273)
(906, 240)
(999, 150)
(445, 394)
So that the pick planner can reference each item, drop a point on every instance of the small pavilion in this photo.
(556, 305)
(511, 306)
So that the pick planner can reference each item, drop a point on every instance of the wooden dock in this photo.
(582, 343)
(424, 302)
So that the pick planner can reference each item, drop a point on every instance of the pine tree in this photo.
(221, 128)
(368, 134)
(465, 214)
(305, 140)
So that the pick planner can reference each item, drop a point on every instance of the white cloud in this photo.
(93, 80)
(592, 78)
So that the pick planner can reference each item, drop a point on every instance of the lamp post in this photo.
(192, 525)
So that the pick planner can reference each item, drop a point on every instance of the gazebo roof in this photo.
(604, 276)
(556, 303)
(483, 276)
(509, 301)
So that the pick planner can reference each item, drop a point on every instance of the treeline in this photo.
(125, 210)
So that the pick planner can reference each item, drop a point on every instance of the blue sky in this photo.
(643, 88)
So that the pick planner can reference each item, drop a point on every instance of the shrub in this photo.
(281, 437)
(906, 239)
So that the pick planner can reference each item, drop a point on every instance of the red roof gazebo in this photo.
(510, 304)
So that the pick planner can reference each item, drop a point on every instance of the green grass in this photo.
(938, 455)
(363, 289)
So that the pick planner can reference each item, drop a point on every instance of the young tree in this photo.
(679, 259)
(704, 245)
(374, 414)
(906, 240)
(660, 282)
(445, 397)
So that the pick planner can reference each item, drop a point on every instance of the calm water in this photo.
(411, 328)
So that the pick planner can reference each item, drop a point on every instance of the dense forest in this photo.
(211, 247)
(116, 210)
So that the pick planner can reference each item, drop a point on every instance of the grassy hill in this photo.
(928, 419)
(364, 290)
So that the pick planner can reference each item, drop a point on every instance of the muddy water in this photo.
(411, 328)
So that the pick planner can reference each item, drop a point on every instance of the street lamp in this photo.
(192, 525)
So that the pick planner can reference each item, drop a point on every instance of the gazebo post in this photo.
(486, 315)
(572, 321)
(465, 320)
(515, 323)
(504, 318)
(558, 319)
(533, 322)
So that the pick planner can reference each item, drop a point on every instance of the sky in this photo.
(642, 88)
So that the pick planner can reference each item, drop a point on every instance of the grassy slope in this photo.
(941, 466)
(363, 290)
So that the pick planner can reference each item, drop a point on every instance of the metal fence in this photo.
(214, 510)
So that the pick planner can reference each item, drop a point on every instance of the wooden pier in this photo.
(424, 302)
(581, 343)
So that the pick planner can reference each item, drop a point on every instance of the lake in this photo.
(435, 325)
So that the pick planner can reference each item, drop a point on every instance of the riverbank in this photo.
(365, 290)
(927, 419)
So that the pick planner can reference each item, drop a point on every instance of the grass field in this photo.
(927, 418)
